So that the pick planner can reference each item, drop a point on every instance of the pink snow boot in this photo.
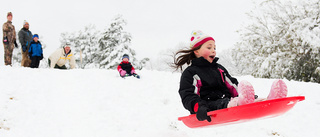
(246, 93)
(278, 90)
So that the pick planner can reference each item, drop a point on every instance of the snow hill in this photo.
(98, 103)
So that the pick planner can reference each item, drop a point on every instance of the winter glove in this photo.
(15, 44)
(122, 72)
(202, 111)
(41, 57)
(5, 40)
(24, 48)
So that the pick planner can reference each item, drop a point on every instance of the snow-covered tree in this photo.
(16, 56)
(282, 41)
(95, 49)
(227, 61)
(84, 43)
(114, 43)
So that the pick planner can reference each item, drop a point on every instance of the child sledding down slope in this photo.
(125, 68)
(202, 84)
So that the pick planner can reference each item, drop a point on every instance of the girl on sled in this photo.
(206, 85)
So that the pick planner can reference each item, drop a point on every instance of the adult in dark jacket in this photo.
(25, 37)
(35, 52)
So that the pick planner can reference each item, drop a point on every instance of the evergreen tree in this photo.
(282, 41)
(93, 49)
(114, 43)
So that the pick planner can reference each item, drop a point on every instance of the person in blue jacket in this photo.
(35, 51)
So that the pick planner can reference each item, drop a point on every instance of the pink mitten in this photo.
(122, 72)
(133, 72)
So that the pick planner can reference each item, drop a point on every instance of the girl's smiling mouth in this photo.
(212, 56)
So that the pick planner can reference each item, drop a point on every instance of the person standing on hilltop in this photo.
(35, 52)
(25, 37)
(9, 39)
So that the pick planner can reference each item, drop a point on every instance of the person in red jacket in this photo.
(125, 68)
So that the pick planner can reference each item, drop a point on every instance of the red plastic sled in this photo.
(268, 108)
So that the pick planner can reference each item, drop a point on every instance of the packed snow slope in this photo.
(98, 103)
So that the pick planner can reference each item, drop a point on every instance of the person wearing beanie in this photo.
(125, 68)
(35, 51)
(9, 39)
(25, 37)
(61, 57)
(206, 85)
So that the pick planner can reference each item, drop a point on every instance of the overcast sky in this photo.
(155, 25)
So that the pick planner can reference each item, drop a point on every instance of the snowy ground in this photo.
(98, 103)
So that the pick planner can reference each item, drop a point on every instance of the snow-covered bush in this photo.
(281, 41)
(95, 49)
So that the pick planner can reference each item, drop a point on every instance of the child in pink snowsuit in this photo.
(125, 68)
(202, 84)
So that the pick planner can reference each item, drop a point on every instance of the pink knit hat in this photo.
(198, 38)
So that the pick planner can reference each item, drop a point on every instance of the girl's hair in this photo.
(186, 57)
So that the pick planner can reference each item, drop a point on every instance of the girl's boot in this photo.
(278, 90)
(246, 93)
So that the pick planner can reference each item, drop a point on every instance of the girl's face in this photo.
(207, 51)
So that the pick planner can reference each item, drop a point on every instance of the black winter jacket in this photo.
(25, 37)
(206, 76)
(126, 66)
